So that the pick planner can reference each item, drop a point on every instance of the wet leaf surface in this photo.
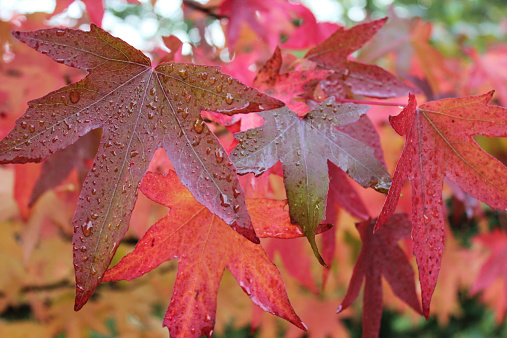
(439, 143)
(304, 146)
(205, 246)
(140, 108)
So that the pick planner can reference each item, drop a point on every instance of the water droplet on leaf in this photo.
(87, 228)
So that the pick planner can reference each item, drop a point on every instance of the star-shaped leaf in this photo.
(140, 108)
(205, 246)
(304, 145)
(439, 143)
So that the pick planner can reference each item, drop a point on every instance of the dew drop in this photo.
(60, 32)
(183, 73)
(134, 153)
(94, 216)
(228, 98)
(199, 125)
(24, 124)
(219, 155)
(204, 76)
(236, 208)
(236, 192)
(74, 96)
(92, 270)
(87, 228)
(224, 201)
(219, 88)
(212, 80)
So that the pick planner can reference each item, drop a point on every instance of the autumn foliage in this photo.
(240, 160)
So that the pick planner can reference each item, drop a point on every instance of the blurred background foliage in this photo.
(456, 24)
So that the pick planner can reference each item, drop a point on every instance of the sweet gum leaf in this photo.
(304, 145)
(140, 109)
(439, 143)
(197, 238)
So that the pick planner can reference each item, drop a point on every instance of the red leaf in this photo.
(381, 256)
(140, 108)
(291, 87)
(205, 246)
(439, 142)
(304, 146)
(351, 76)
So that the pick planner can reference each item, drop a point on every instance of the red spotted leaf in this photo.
(304, 146)
(439, 143)
(352, 77)
(381, 256)
(140, 108)
(205, 246)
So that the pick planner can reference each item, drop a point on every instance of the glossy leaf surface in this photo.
(205, 246)
(140, 108)
(304, 145)
(439, 143)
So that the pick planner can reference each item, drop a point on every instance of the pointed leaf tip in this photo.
(247, 233)
(304, 326)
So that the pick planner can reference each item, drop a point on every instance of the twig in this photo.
(206, 10)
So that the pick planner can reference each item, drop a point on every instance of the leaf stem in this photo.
(373, 103)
